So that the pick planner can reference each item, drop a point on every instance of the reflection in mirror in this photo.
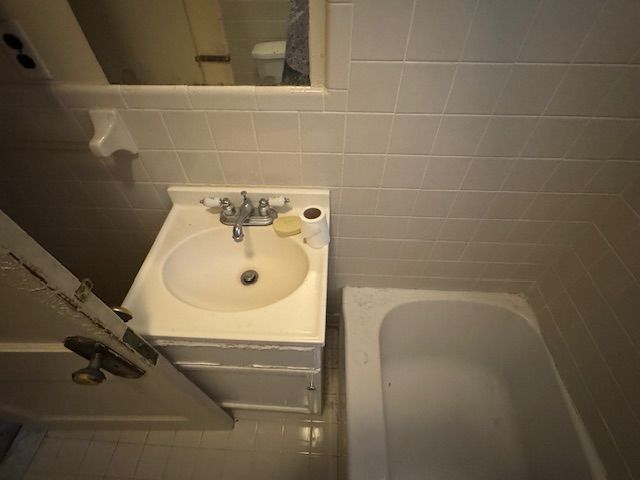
(198, 42)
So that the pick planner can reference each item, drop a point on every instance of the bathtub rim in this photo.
(363, 311)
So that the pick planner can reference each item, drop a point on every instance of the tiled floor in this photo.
(263, 445)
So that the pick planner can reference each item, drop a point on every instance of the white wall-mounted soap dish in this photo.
(110, 133)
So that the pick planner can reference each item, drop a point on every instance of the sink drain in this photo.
(249, 277)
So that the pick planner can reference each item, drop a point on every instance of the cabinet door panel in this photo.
(254, 388)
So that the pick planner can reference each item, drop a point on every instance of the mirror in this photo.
(198, 42)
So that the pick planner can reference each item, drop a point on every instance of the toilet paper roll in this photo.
(315, 228)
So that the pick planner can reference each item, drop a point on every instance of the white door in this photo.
(41, 305)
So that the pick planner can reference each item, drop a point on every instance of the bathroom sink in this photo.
(216, 279)
(198, 283)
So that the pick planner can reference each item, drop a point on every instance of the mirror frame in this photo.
(317, 42)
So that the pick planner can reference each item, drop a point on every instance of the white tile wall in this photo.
(322, 132)
(439, 29)
(367, 133)
(459, 134)
(587, 304)
(413, 134)
(233, 130)
(188, 130)
(583, 89)
(614, 37)
(469, 144)
(476, 88)
(622, 101)
(559, 30)
(498, 29)
(529, 89)
(373, 86)
(277, 132)
(424, 87)
(380, 29)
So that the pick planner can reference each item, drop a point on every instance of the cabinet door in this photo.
(264, 389)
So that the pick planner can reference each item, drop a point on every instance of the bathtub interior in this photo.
(469, 392)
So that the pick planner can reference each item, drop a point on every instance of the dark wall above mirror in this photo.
(198, 42)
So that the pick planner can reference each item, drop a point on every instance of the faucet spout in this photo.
(237, 233)
(244, 212)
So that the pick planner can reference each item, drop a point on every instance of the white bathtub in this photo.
(455, 385)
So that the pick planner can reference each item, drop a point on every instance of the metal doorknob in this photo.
(91, 374)
(100, 357)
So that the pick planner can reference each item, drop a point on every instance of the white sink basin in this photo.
(190, 286)
(205, 269)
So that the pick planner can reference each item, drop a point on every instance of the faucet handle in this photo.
(244, 195)
(228, 210)
(263, 207)
(277, 201)
(211, 202)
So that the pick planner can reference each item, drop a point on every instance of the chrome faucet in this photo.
(244, 212)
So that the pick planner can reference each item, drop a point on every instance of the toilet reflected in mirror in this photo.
(269, 60)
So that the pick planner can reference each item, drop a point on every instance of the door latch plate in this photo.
(140, 345)
(84, 289)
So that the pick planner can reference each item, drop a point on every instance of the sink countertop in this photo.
(298, 318)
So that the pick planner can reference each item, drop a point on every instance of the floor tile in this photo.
(125, 460)
(180, 464)
(161, 437)
(152, 462)
(269, 436)
(294, 466)
(324, 438)
(187, 438)
(97, 458)
(106, 435)
(296, 437)
(45, 457)
(323, 467)
(208, 465)
(243, 435)
(133, 436)
(214, 439)
(266, 466)
(237, 465)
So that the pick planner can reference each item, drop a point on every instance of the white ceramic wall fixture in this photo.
(189, 287)
(110, 134)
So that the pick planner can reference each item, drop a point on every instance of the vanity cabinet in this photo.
(251, 376)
